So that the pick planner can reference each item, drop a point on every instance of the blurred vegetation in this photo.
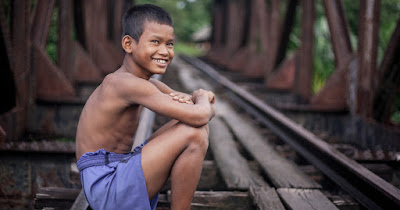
(323, 62)
(51, 47)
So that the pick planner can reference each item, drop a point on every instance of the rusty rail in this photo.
(367, 188)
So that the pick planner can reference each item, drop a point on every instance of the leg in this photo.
(162, 129)
(179, 151)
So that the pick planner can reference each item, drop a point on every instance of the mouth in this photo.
(160, 61)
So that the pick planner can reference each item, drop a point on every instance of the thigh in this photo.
(163, 129)
(160, 153)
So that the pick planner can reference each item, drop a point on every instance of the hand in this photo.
(209, 94)
(181, 97)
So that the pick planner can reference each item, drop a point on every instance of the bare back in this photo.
(107, 120)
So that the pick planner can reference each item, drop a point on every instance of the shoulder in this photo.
(126, 85)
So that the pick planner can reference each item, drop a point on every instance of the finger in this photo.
(172, 94)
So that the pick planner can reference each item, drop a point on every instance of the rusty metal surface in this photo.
(334, 93)
(41, 21)
(40, 146)
(339, 30)
(58, 85)
(23, 173)
(287, 26)
(304, 70)
(283, 78)
(85, 70)
(274, 32)
(389, 79)
(20, 62)
(367, 56)
(65, 47)
(106, 59)
(259, 42)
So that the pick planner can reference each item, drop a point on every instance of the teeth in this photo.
(160, 61)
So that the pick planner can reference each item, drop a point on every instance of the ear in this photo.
(128, 43)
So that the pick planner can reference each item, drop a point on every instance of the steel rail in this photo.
(367, 188)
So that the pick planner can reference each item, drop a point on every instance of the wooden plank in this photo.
(369, 180)
(219, 200)
(62, 197)
(233, 167)
(281, 172)
(265, 198)
(53, 197)
(80, 202)
(305, 199)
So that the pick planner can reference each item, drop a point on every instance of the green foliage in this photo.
(64, 139)
(323, 62)
(51, 46)
(396, 111)
(188, 49)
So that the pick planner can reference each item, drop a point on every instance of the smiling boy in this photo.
(112, 176)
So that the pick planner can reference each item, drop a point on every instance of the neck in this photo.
(131, 67)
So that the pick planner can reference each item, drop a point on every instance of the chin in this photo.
(160, 71)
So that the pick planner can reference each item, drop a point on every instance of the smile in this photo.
(160, 61)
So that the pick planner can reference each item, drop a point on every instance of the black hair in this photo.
(134, 19)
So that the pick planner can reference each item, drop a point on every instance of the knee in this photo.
(197, 137)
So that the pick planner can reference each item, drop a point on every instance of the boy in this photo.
(112, 176)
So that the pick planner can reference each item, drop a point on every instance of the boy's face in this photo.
(155, 48)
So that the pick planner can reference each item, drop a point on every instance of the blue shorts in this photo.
(115, 181)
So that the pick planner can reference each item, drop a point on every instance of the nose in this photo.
(163, 50)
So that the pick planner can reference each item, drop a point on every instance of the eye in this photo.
(171, 44)
(155, 41)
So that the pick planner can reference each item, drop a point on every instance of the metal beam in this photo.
(389, 83)
(41, 22)
(339, 30)
(367, 56)
(304, 72)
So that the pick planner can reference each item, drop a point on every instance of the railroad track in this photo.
(246, 170)
(365, 187)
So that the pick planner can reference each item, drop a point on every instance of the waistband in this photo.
(102, 157)
(101, 160)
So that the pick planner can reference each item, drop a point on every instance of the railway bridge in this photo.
(275, 143)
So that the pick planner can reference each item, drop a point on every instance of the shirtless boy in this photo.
(112, 176)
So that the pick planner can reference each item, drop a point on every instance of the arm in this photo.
(176, 95)
(139, 91)
(161, 86)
